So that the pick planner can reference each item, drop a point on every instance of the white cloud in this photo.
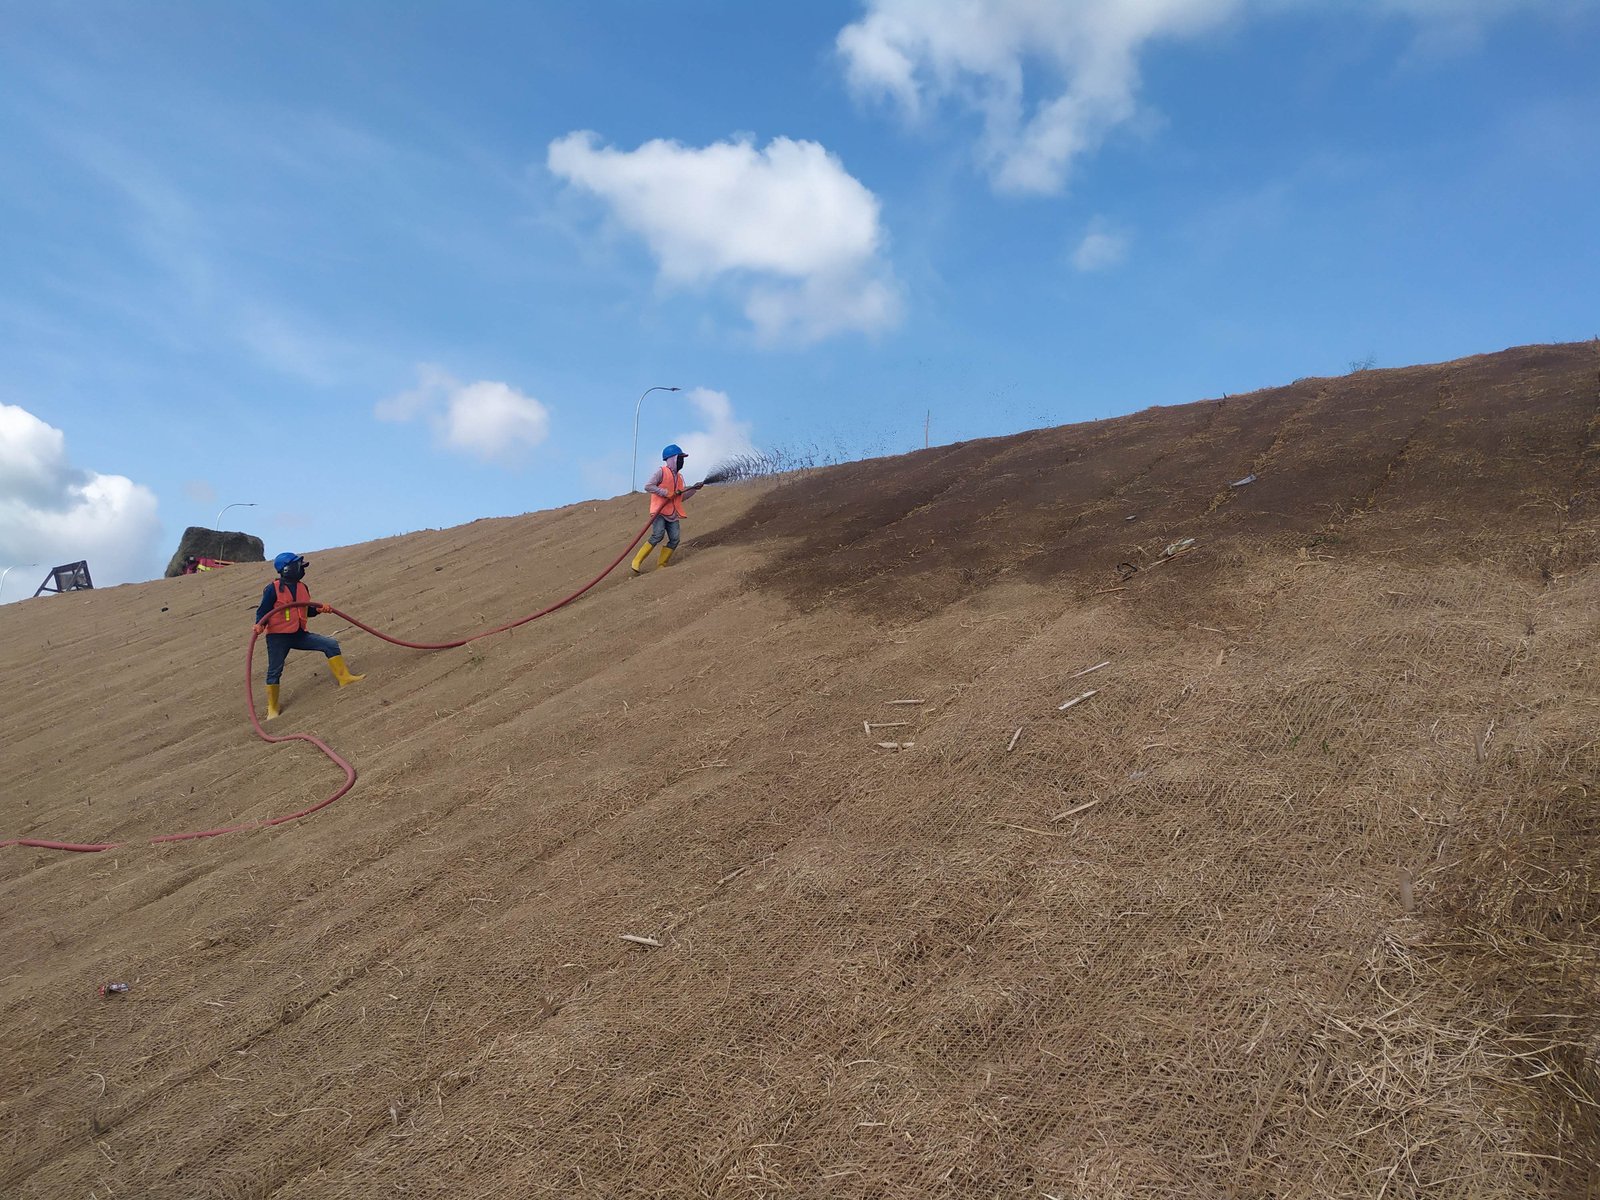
(1101, 247)
(52, 512)
(821, 307)
(494, 420)
(919, 52)
(487, 420)
(787, 227)
(1080, 58)
(722, 436)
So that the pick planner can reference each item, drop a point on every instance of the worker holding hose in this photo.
(667, 495)
(285, 627)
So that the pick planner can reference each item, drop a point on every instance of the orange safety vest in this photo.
(288, 620)
(671, 482)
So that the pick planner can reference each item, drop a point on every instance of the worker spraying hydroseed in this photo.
(286, 627)
(667, 495)
(285, 608)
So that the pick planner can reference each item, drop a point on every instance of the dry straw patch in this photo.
(1299, 903)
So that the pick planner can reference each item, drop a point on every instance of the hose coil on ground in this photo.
(338, 760)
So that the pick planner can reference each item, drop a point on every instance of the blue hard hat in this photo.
(283, 560)
(672, 451)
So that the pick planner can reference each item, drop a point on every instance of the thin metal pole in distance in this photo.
(633, 476)
(226, 507)
(8, 571)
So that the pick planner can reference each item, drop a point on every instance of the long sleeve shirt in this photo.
(269, 601)
(653, 485)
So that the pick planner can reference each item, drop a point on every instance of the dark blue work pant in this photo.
(279, 645)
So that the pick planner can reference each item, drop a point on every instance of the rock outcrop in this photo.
(216, 543)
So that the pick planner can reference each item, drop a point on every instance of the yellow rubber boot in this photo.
(666, 553)
(273, 711)
(638, 559)
(342, 672)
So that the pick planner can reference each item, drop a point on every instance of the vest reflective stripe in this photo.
(671, 482)
(288, 620)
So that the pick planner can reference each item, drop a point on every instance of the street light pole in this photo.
(633, 478)
(8, 571)
(226, 507)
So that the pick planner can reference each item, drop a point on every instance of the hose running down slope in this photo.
(340, 762)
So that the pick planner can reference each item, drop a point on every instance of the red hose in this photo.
(349, 771)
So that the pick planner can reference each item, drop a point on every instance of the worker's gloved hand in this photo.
(261, 627)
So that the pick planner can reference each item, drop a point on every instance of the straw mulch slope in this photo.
(1300, 903)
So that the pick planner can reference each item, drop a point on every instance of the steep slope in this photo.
(1301, 903)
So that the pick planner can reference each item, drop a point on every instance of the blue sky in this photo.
(378, 267)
